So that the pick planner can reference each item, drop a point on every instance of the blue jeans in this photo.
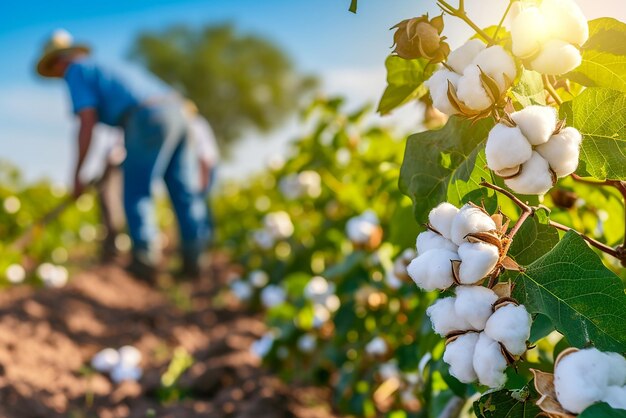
(156, 146)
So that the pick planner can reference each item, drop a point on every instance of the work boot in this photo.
(142, 268)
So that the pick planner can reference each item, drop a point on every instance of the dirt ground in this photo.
(48, 336)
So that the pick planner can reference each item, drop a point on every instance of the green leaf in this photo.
(353, 5)
(405, 82)
(600, 116)
(602, 410)
(529, 89)
(508, 404)
(603, 56)
(534, 239)
(584, 299)
(446, 164)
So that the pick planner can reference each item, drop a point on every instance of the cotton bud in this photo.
(376, 347)
(536, 123)
(459, 355)
(474, 305)
(463, 56)
(105, 360)
(444, 318)
(477, 261)
(262, 346)
(497, 64)
(438, 86)
(470, 89)
(273, 295)
(489, 362)
(562, 151)
(441, 217)
(510, 325)
(433, 270)
(418, 37)
(470, 219)
(121, 373)
(535, 177)
(567, 21)
(556, 57)
(278, 224)
(507, 148)
(307, 343)
(585, 377)
(429, 240)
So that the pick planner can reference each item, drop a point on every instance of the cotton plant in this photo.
(277, 226)
(306, 183)
(364, 230)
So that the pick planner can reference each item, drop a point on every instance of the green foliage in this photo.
(534, 239)
(405, 82)
(529, 89)
(508, 404)
(602, 410)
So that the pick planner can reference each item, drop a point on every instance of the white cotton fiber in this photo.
(566, 21)
(444, 319)
(537, 123)
(528, 32)
(459, 355)
(463, 56)
(510, 325)
(506, 147)
(433, 270)
(376, 347)
(535, 177)
(477, 261)
(562, 151)
(474, 305)
(441, 217)
(429, 240)
(470, 89)
(497, 64)
(489, 362)
(470, 219)
(438, 86)
(615, 396)
(556, 57)
(105, 360)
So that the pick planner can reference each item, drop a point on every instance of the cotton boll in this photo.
(307, 343)
(497, 63)
(567, 21)
(258, 278)
(279, 224)
(433, 270)
(477, 261)
(444, 318)
(562, 151)
(470, 219)
(615, 396)
(105, 360)
(528, 32)
(129, 356)
(441, 217)
(506, 147)
(537, 123)
(121, 373)
(489, 362)
(360, 228)
(272, 295)
(535, 177)
(242, 290)
(376, 347)
(463, 56)
(262, 346)
(429, 240)
(557, 57)
(459, 356)
(438, 86)
(474, 305)
(470, 89)
(389, 370)
(510, 325)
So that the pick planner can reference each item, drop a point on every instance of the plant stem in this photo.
(460, 13)
(551, 90)
(506, 12)
(525, 207)
(600, 246)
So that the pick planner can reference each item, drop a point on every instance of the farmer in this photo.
(155, 131)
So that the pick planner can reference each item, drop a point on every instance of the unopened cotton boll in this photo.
(105, 360)
(474, 305)
(489, 362)
(506, 147)
(615, 396)
(510, 325)
(459, 355)
(477, 261)
(376, 347)
(535, 177)
(470, 89)
(122, 373)
(444, 318)
(469, 220)
(441, 217)
(528, 31)
(537, 123)
(438, 86)
(562, 151)
(567, 21)
(497, 64)
(429, 240)
(556, 57)
(307, 343)
(463, 56)
(433, 270)
(273, 295)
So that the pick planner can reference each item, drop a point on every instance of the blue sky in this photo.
(347, 51)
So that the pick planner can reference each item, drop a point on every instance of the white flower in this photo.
(477, 261)
(441, 217)
(278, 224)
(258, 278)
(360, 228)
(242, 290)
(510, 325)
(534, 178)
(262, 346)
(105, 360)
(459, 355)
(444, 318)
(474, 305)
(307, 343)
(15, 273)
(376, 347)
(489, 362)
(506, 148)
(433, 270)
(562, 151)
(469, 220)
(273, 295)
(429, 240)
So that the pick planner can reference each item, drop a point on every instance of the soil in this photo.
(48, 337)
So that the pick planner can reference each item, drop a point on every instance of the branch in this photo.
(550, 89)
(506, 12)
(460, 13)
(600, 246)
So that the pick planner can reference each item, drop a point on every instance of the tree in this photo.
(238, 82)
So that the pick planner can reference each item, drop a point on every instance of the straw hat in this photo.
(60, 43)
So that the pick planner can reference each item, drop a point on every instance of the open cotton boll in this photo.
(497, 63)
(537, 123)
(262, 346)
(441, 217)
(258, 278)
(470, 89)
(444, 318)
(477, 261)
(489, 362)
(469, 220)
(105, 360)
(556, 57)
(528, 31)
(279, 224)
(615, 396)
(562, 151)
(122, 373)
(429, 240)
(272, 295)
(510, 325)
(433, 270)
(459, 356)
(506, 147)
(307, 343)
(129, 356)
(376, 347)
(463, 56)
(438, 86)
(474, 305)
(566, 21)
(535, 177)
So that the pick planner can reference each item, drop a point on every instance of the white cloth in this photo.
(203, 139)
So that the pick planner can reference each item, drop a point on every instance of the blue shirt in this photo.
(91, 86)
